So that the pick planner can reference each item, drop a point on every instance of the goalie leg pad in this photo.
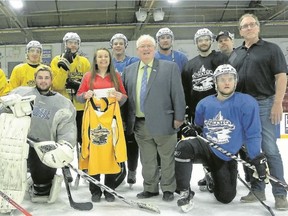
(13, 158)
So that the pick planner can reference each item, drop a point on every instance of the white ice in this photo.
(205, 203)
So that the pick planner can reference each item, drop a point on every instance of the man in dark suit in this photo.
(155, 111)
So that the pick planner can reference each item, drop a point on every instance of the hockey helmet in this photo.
(71, 36)
(203, 32)
(34, 44)
(164, 31)
(224, 69)
(119, 36)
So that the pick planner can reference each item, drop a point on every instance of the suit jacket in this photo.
(164, 102)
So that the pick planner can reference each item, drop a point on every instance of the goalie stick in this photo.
(249, 188)
(245, 163)
(132, 203)
(85, 206)
(16, 205)
(76, 205)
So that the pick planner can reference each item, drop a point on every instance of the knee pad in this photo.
(184, 152)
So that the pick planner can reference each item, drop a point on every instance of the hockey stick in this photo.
(85, 206)
(77, 179)
(16, 205)
(132, 203)
(249, 188)
(76, 205)
(228, 154)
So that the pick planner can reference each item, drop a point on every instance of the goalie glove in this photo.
(55, 155)
(260, 163)
(190, 130)
(65, 60)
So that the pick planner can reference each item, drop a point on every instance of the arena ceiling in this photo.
(95, 21)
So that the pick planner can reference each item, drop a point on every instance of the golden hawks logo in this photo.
(99, 135)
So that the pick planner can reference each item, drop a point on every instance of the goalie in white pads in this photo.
(53, 129)
(228, 119)
(13, 148)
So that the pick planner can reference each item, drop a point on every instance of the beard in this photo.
(204, 49)
(43, 91)
(165, 48)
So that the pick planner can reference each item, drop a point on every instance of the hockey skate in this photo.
(14, 149)
(207, 183)
(51, 196)
(185, 202)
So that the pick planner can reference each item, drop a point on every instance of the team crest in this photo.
(219, 129)
(202, 79)
(99, 135)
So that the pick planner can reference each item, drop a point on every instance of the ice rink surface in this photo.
(204, 202)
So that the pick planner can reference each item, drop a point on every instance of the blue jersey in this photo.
(231, 123)
(120, 65)
(178, 57)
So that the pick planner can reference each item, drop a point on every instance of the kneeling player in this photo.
(228, 119)
(53, 131)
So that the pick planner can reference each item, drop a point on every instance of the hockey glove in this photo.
(55, 155)
(72, 84)
(191, 130)
(260, 163)
(65, 60)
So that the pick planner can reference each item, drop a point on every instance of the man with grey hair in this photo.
(257, 59)
(155, 111)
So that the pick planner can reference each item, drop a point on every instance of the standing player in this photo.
(3, 83)
(23, 74)
(165, 39)
(228, 119)
(68, 70)
(120, 60)
(197, 76)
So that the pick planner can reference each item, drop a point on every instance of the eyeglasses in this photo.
(149, 46)
(246, 26)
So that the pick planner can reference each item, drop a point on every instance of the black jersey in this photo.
(197, 78)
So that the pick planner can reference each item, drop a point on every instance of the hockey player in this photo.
(119, 43)
(23, 74)
(228, 119)
(165, 39)
(120, 60)
(103, 146)
(197, 75)
(68, 70)
(53, 129)
(3, 83)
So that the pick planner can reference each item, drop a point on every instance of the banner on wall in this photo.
(284, 126)
(47, 56)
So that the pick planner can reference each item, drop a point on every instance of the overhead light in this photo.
(141, 15)
(172, 1)
(16, 4)
(158, 14)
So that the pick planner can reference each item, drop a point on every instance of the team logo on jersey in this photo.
(202, 79)
(41, 112)
(99, 135)
(219, 129)
(31, 83)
